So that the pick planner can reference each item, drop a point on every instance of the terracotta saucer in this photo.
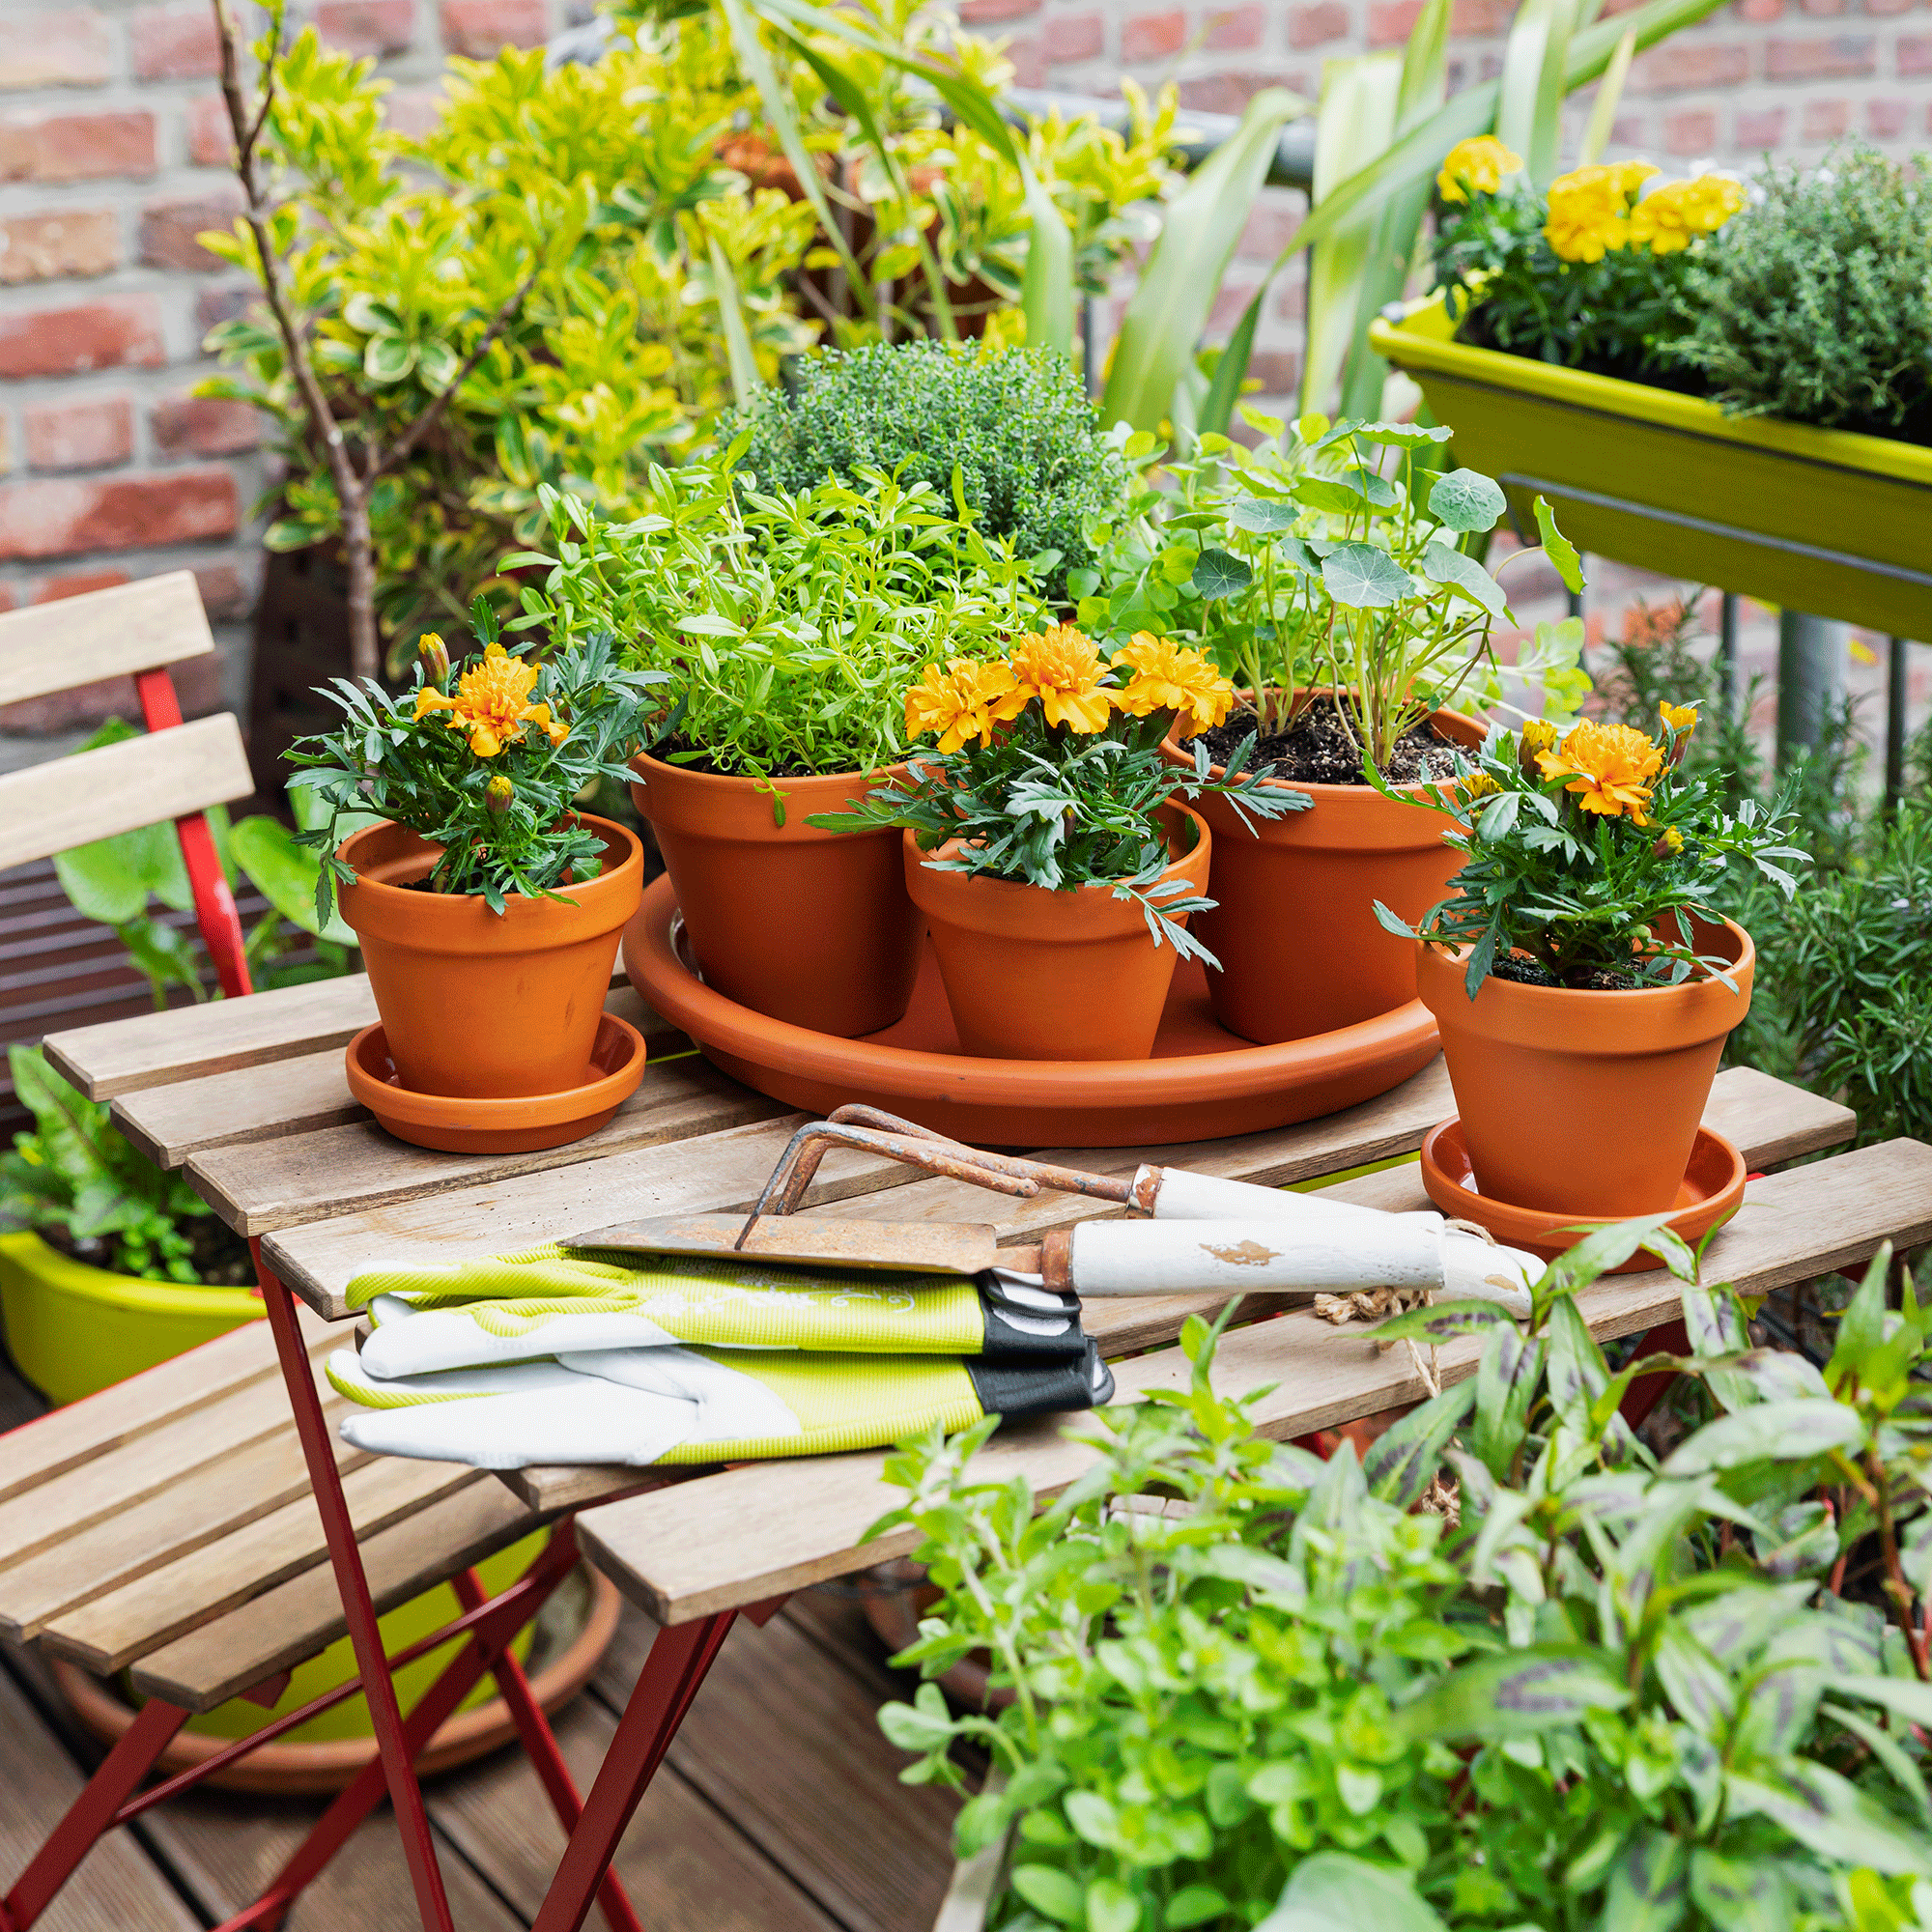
(1201, 1083)
(1710, 1193)
(519, 1126)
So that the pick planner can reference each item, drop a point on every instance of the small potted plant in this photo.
(488, 908)
(1044, 845)
(1343, 589)
(789, 629)
(1583, 980)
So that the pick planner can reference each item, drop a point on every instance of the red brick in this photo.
(210, 144)
(203, 426)
(1885, 8)
(1270, 228)
(1075, 37)
(1234, 28)
(1828, 57)
(1694, 131)
(1676, 68)
(1392, 21)
(68, 48)
(43, 248)
(1914, 55)
(1826, 120)
(1277, 370)
(414, 111)
(1231, 93)
(1154, 35)
(1888, 120)
(977, 13)
(224, 304)
(1761, 128)
(1760, 11)
(483, 28)
(1472, 17)
(116, 513)
(87, 434)
(367, 27)
(1822, 9)
(117, 331)
(78, 584)
(6, 604)
(175, 42)
(1028, 57)
(76, 147)
(168, 229)
(1311, 26)
(223, 595)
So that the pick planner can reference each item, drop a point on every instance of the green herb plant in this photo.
(787, 628)
(1511, 1665)
(484, 758)
(1588, 855)
(75, 1178)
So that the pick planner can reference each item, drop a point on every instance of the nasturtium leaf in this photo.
(1111, 1907)
(1362, 577)
(1465, 500)
(285, 873)
(1327, 492)
(1331, 1892)
(1264, 516)
(1219, 572)
(1558, 547)
(1375, 487)
(1403, 436)
(1441, 565)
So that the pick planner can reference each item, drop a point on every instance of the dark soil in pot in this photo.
(219, 1256)
(1320, 749)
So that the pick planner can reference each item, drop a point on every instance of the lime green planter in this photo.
(72, 1329)
(1807, 518)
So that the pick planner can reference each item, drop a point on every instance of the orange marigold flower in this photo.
(964, 701)
(1173, 677)
(1609, 768)
(1060, 667)
(491, 703)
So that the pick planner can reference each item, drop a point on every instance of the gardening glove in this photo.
(681, 1405)
(555, 1300)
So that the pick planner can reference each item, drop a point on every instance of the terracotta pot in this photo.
(807, 926)
(478, 1005)
(1038, 975)
(1585, 1103)
(1293, 924)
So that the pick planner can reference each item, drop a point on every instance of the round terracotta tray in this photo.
(1710, 1192)
(1201, 1084)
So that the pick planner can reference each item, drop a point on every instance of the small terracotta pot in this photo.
(1038, 975)
(1293, 924)
(807, 926)
(477, 1005)
(1585, 1103)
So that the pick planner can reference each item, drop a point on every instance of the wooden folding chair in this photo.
(177, 771)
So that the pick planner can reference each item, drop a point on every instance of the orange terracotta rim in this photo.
(507, 1125)
(725, 804)
(1711, 1191)
(328, 1765)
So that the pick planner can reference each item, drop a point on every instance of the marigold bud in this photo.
(1669, 845)
(1536, 736)
(499, 794)
(434, 657)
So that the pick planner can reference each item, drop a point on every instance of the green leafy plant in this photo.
(117, 880)
(1066, 785)
(1512, 1664)
(1816, 302)
(1588, 854)
(787, 629)
(1014, 427)
(76, 1179)
(484, 757)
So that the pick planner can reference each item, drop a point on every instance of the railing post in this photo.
(1728, 651)
(1898, 693)
(1810, 679)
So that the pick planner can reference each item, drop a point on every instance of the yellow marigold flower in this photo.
(962, 701)
(491, 703)
(1609, 767)
(1060, 667)
(1631, 175)
(1173, 677)
(1589, 213)
(1672, 216)
(1479, 164)
(1481, 785)
(1679, 718)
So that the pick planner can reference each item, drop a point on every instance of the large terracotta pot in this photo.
(807, 926)
(1038, 975)
(1293, 924)
(1584, 1103)
(478, 1005)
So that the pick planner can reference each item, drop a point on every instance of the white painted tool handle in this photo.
(1474, 1270)
(1234, 1257)
(1181, 1196)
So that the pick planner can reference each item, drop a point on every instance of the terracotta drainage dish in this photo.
(811, 928)
(1031, 974)
(1201, 1082)
(483, 1006)
(1710, 1193)
(455, 1125)
(1585, 1103)
(1293, 924)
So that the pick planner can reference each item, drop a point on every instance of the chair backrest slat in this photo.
(105, 634)
(72, 801)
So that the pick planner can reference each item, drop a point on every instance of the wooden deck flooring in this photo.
(779, 1810)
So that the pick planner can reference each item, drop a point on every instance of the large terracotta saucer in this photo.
(1201, 1082)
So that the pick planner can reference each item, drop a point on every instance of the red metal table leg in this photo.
(677, 1666)
(91, 1813)
(541, 1745)
(1643, 1395)
(339, 1531)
